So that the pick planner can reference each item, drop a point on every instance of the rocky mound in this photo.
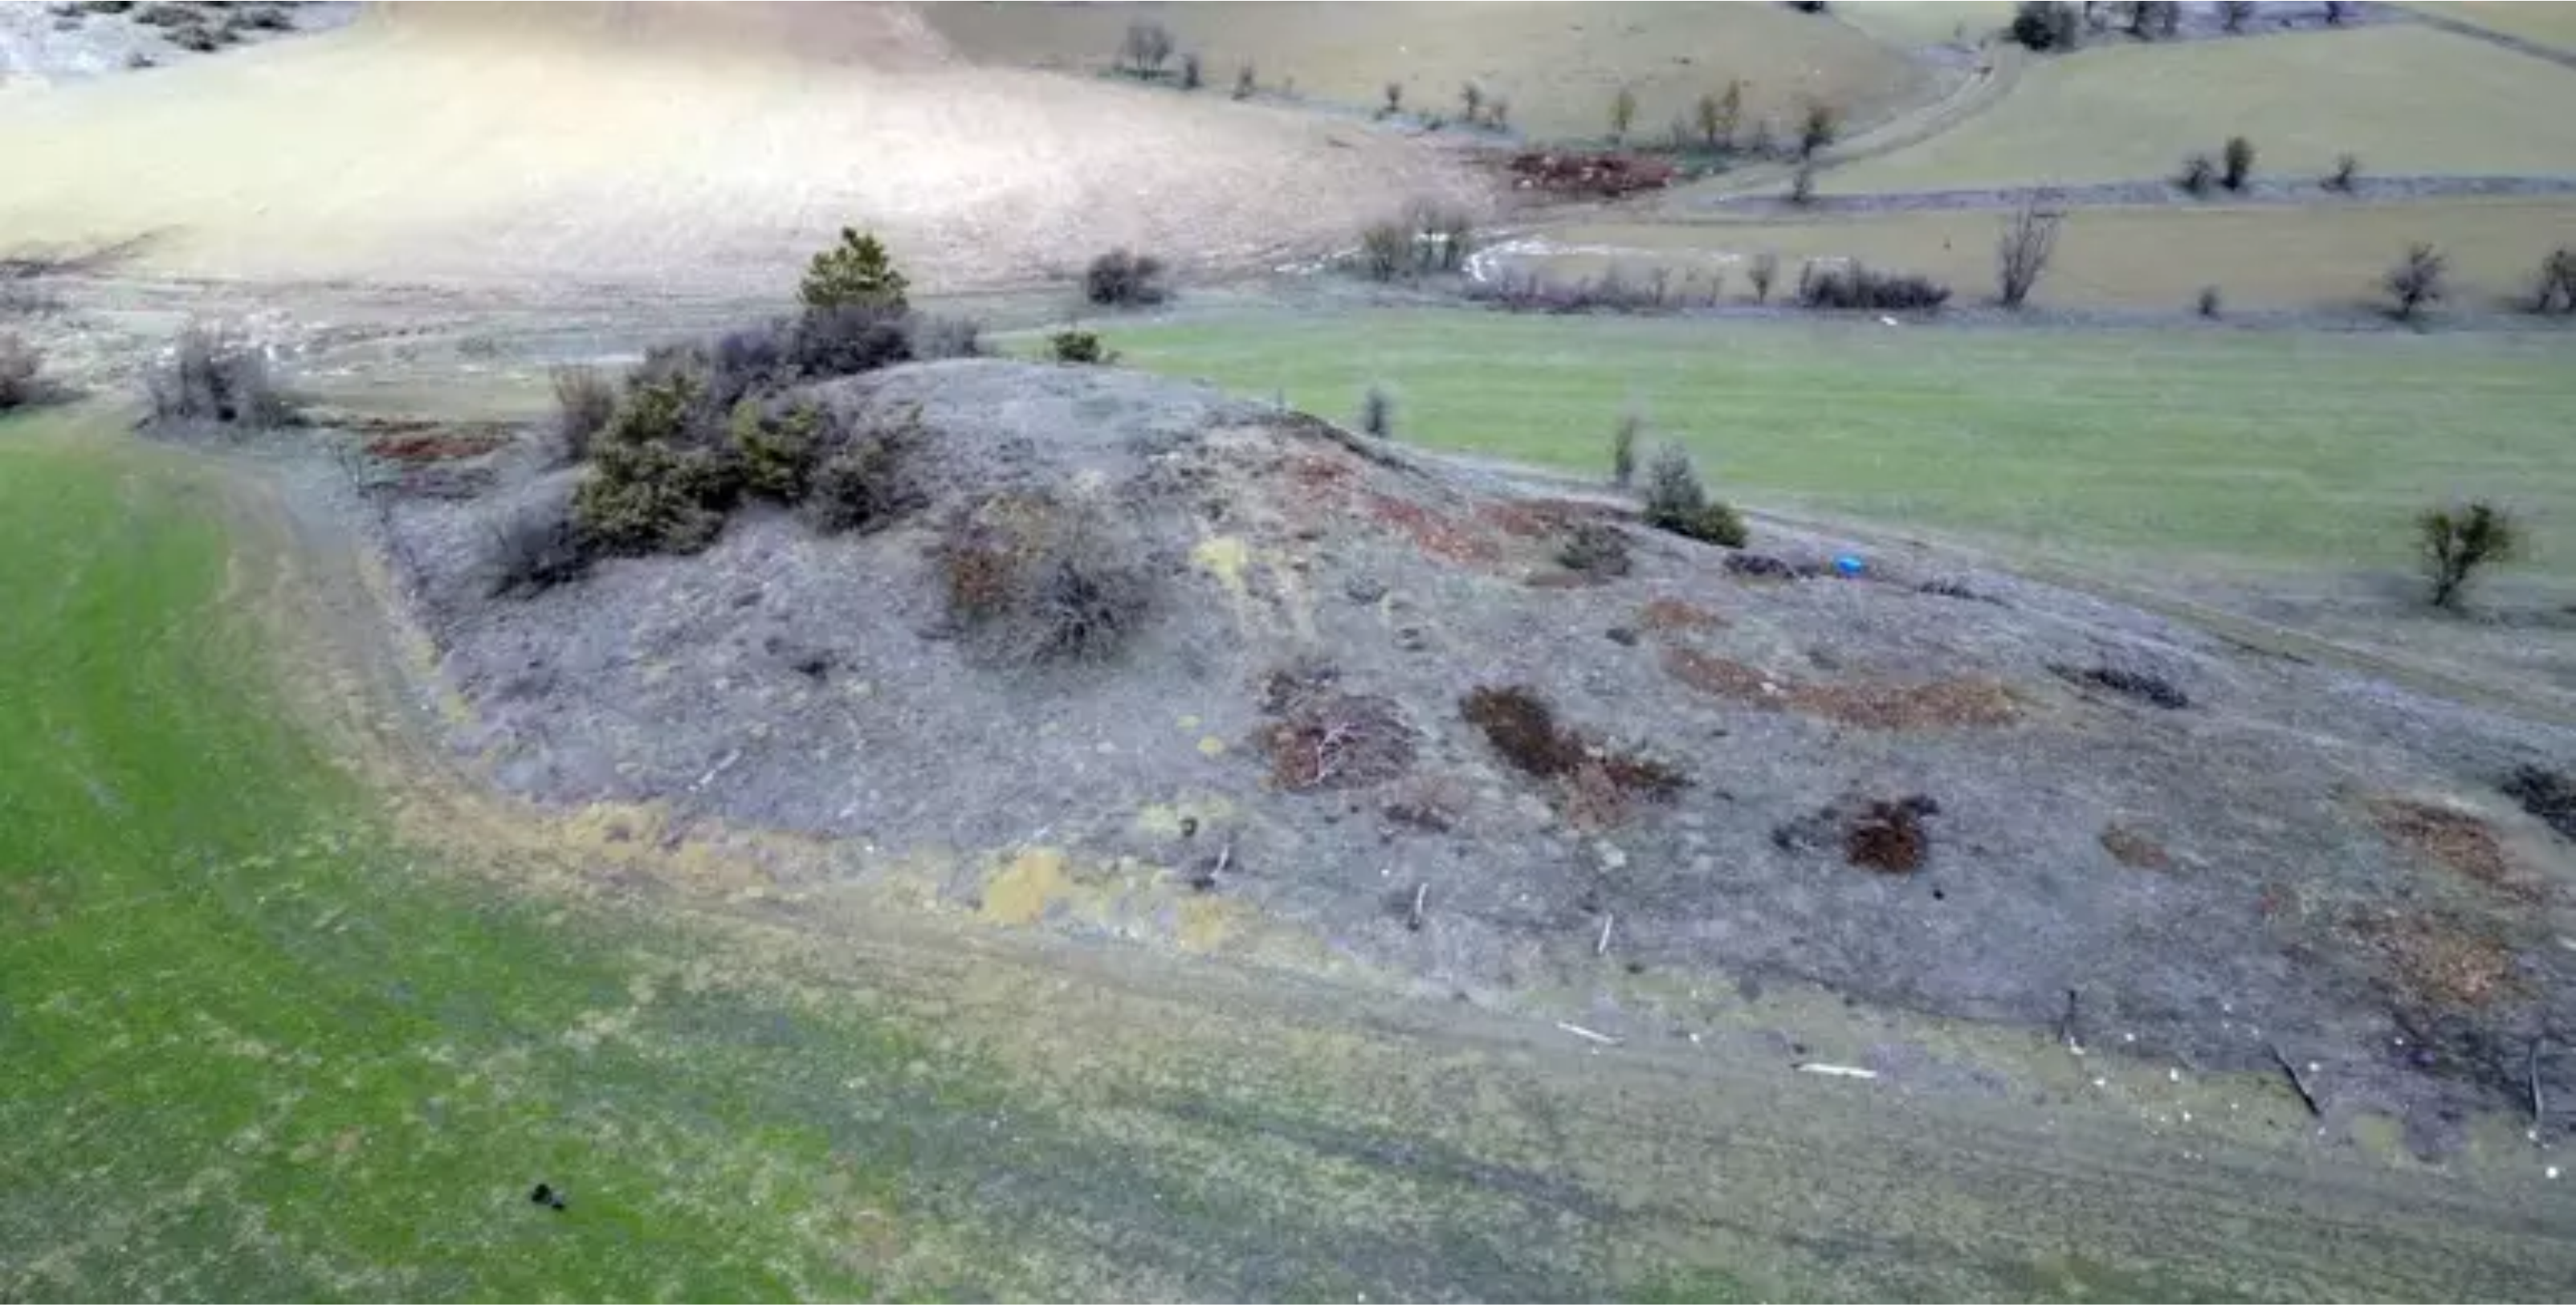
(1506, 740)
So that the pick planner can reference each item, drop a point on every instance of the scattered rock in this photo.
(2547, 794)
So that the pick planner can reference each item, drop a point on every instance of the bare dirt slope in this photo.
(1969, 799)
(665, 148)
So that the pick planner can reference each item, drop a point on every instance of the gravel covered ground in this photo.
(1955, 793)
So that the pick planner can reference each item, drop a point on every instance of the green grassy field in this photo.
(2276, 449)
(1558, 64)
(2404, 99)
(2328, 257)
(255, 1051)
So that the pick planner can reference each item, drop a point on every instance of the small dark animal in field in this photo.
(546, 1195)
(2154, 690)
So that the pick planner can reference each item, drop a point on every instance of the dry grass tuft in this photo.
(2134, 849)
(2456, 840)
(1668, 615)
(2440, 961)
(1939, 704)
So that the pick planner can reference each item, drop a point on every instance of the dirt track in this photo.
(619, 148)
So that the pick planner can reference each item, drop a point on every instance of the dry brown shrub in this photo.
(1939, 704)
(2134, 849)
(2440, 961)
(1889, 837)
(433, 447)
(1338, 740)
(1667, 615)
(1524, 729)
(2455, 840)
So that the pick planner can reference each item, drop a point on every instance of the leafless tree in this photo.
(2233, 13)
(1623, 112)
(2022, 252)
(2417, 280)
(1764, 269)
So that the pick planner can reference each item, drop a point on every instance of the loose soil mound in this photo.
(1344, 687)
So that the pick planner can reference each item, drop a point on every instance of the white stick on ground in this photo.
(1836, 1071)
(1588, 1035)
(1602, 948)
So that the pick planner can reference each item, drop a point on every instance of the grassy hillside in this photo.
(2405, 99)
(2308, 450)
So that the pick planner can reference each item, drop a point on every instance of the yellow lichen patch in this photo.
(1207, 922)
(1226, 558)
(1212, 746)
(1026, 885)
(1189, 723)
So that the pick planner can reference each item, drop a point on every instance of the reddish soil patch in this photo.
(1533, 520)
(433, 447)
(1940, 704)
(1435, 534)
(2133, 849)
(1668, 615)
(2440, 961)
(2457, 841)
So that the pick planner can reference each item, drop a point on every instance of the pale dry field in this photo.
(669, 148)
(1558, 64)
(2270, 257)
(2551, 23)
(2407, 100)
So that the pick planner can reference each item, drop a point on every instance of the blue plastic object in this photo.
(1850, 567)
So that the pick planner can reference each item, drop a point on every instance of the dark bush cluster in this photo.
(2548, 795)
(1074, 345)
(2459, 542)
(2041, 25)
(1676, 502)
(584, 401)
(1429, 238)
(1121, 279)
(1611, 292)
(1858, 286)
(217, 375)
(1596, 549)
(2553, 288)
(534, 548)
(22, 369)
(701, 426)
